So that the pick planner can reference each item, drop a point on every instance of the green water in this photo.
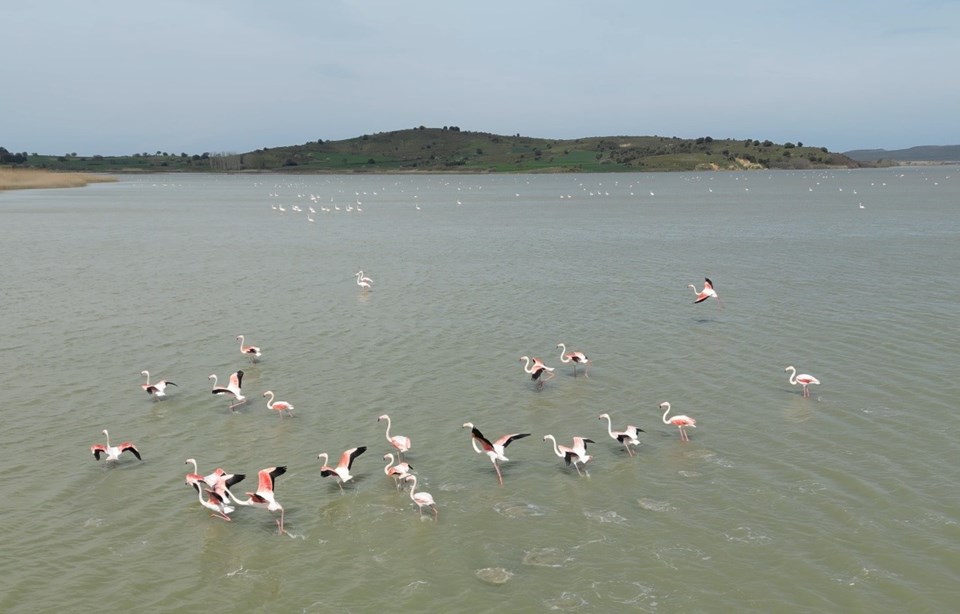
(844, 501)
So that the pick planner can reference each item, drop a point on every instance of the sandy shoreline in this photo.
(30, 178)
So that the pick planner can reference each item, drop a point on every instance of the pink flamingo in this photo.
(680, 421)
(342, 470)
(538, 371)
(278, 406)
(400, 442)
(707, 292)
(576, 454)
(422, 498)
(157, 388)
(577, 358)
(628, 436)
(804, 379)
(232, 389)
(249, 350)
(494, 450)
(215, 503)
(364, 282)
(398, 472)
(113, 452)
(264, 497)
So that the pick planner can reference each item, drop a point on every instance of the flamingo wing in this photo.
(97, 449)
(347, 458)
(506, 440)
(267, 478)
(129, 447)
(235, 379)
(484, 442)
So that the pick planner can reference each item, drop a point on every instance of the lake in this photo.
(844, 501)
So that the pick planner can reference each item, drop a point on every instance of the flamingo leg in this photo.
(627, 446)
(499, 477)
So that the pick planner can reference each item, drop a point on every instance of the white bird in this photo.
(398, 472)
(493, 449)
(628, 436)
(421, 498)
(113, 452)
(576, 454)
(342, 470)
(157, 388)
(232, 389)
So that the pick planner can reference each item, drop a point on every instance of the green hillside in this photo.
(451, 149)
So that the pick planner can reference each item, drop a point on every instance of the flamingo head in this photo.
(602, 416)
(145, 372)
(665, 405)
(383, 417)
(269, 392)
(468, 425)
(388, 456)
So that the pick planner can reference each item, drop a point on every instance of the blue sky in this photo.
(118, 77)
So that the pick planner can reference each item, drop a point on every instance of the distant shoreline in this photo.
(30, 178)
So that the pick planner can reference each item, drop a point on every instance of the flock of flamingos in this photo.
(214, 490)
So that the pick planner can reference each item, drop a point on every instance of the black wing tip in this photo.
(135, 453)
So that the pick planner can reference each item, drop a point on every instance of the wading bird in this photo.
(155, 389)
(398, 472)
(494, 450)
(679, 421)
(628, 436)
(232, 389)
(421, 498)
(400, 442)
(538, 371)
(278, 406)
(113, 452)
(364, 282)
(342, 470)
(576, 454)
(264, 497)
(804, 379)
(249, 350)
(215, 503)
(707, 292)
(577, 358)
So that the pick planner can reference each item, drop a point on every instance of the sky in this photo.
(116, 77)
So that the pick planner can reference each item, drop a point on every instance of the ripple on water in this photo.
(518, 510)
(655, 506)
(626, 593)
(546, 557)
(747, 535)
(566, 602)
(605, 517)
(494, 575)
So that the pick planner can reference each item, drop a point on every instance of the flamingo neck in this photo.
(527, 366)
(413, 487)
(665, 412)
(556, 450)
(386, 469)
(326, 458)
(609, 426)
(793, 375)
(107, 435)
(270, 402)
(388, 428)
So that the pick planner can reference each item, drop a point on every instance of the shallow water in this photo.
(844, 501)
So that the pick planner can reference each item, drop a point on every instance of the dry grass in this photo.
(26, 178)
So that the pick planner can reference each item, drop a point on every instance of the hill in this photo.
(924, 153)
(452, 149)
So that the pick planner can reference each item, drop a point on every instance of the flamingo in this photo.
(342, 470)
(249, 350)
(577, 358)
(576, 454)
(264, 497)
(400, 442)
(233, 389)
(421, 498)
(679, 421)
(157, 388)
(364, 282)
(537, 370)
(195, 479)
(804, 379)
(398, 472)
(215, 503)
(493, 450)
(113, 452)
(707, 292)
(628, 436)
(278, 406)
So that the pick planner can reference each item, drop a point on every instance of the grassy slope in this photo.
(440, 149)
